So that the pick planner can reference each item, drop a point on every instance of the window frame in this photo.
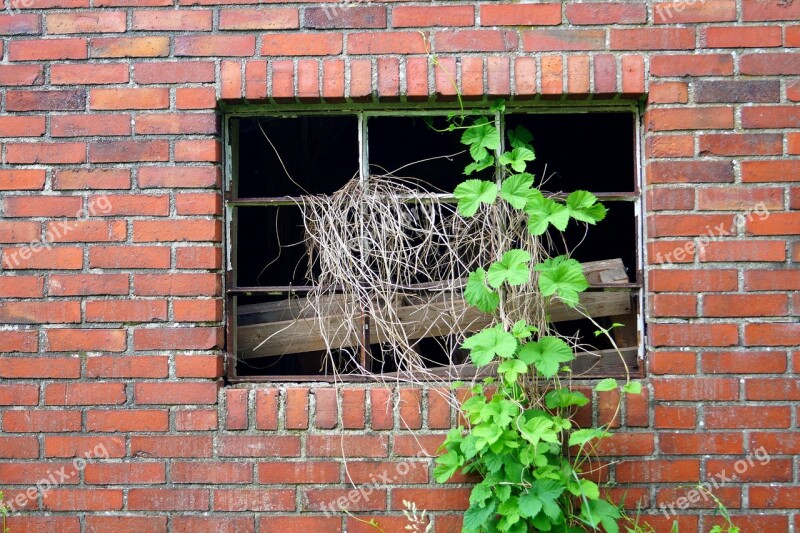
(363, 113)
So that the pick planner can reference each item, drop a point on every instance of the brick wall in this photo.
(112, 332)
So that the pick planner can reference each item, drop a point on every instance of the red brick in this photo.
(197, 310)
(770, 64)
(175, 393)
(749, 305)
(137, 98)
(326, 411)
(19, 448)
(259, 19)
(742, 36)
(744, 251)
(129, 47)
(424, 16)
(30, 473)
(18, 24)
(776, 334)
(382, 408)
(385, 43)
(410, 404)
(84, 394)
(82, 499)
(774, 224)
(439, 408)
(174, 72)
(694, 335)
(176, 230)
(250, 446)
(652, 39)
(747, 417)
(126, 311)
(697, 389)
(173, 20)
(85, 340)
(348, 16)
(254, 500)
(18, 231)
(741, 144)
(688, 225)
(773, 497)
(176, 284)
(43, 153)
(666, 362)
(27, 126)
(299, 472)
(626, 444)
(606, 13)
(171, 446)
(21, 75)
(129, 257)
(749, 362)
(772, 389)
(236, 409)
(674, 417)
(62, 258)
(41, 421)
(199, 257)
(178, 123)
(436, 499)
(710, 11)
(149, 473)
(84, 446)
(47, 49)
(98, 22)
(777, 280)
(417, 445)
(21, 286)
(552, 75)
(168, 500)
(208, 150)
(737, 91)
(267, 409)
(670, 199)
(770, 171)
(134, 204)
(757, 11)
(693, 280)
(128, 151)
(664, 305)
(216, 472)
(658, 471)
(87, 284)
(196, 420)
(552, 40)
(349, 446)
(89, 125)
(333, 79)
(34, 367)
(752, 200)
(76, 74)
(669, 92)
(97, 178)
(280, 524)
(343, 499)
(19, 394)
(770, 117)
(474, 41)
(216, 45)
(86, 231)
(520, 14)
(195, 98)
(127, 524)
(690, 119)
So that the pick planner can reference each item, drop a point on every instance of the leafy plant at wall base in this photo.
(519, 425)
(3, 513)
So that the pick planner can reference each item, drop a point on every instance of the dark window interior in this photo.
(592, 151)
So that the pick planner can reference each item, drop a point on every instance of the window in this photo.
(279, 158)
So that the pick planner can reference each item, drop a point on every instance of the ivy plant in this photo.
(520, 436)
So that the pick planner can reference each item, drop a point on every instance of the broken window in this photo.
(278, 162)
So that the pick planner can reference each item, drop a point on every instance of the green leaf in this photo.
(607, 384)
(522, 330)
(516, 190)
(537, 429)
(480, 493)
(498, 106)
(481, 137)
(501, 412)
(477, 294)
(502, 493)
(632, 387)
(471, 193)
(548, 491)
(446, 466)
(563, 277)
(561, 398)
(477, 166)
(589, 489)
(546, 355)
(582, 436)
(542, 212)
(483, 346)
(519, 137)
(513, 267)
(583, 206)
(486, 434)
(529, 505)
(475, 517)
(600, 512)
(517, 158)
(512, 368)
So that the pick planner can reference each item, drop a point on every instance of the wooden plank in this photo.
(433, 319)
(598, 364)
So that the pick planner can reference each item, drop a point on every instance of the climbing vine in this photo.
(520, 435)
